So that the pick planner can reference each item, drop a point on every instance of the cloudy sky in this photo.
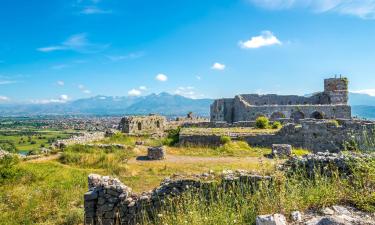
(59, 50)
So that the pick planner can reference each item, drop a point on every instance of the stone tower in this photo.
(337, 90)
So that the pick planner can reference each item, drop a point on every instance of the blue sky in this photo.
(60, 50)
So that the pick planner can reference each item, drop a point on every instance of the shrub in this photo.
(8, 169)
(8, 146)
(276, 125)
(262, 122)
(173, 137)
(334, 123)
(225, 139)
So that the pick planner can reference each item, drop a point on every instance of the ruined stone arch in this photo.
(277, 115)
(317, 115)
(297, 116)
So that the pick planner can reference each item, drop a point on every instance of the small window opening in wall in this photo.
(158, 124)
(139, 126)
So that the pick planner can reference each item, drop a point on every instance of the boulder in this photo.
(275, 219)
(156, 153)
(281, 150)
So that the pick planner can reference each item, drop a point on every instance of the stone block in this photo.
(281, 150)
(156, 153)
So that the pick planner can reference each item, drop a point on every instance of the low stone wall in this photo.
(109, 202)
(323, 162)
(315, 135)
(79, 139)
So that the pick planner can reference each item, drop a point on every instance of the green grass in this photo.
(45, 193)
(231, 148)
(238, 205)
(300, 151)
(113, 160)
(33, 140)
(226, 131)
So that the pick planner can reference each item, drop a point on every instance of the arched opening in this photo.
(297, 116)
(139, 126)
(277, 115)
(317, 115)
(158, 124)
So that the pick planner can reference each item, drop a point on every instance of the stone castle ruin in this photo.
(140, 125)
(332, 103)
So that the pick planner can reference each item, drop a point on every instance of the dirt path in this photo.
(194, 159)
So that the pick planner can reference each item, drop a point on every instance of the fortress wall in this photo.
(273, 99)
(314, 135)
(249, 113)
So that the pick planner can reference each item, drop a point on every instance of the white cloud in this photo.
(188, 92)
(62, 99)
(59, 67)
(90, 7)
(60, 83)
(83, 89)
(3, 82)
(88, 10)
(4, 98)
(265, 39)
(161, 77)
(218, 66)
(78, 43)
(361, 8)
(134, 92)
(143, 88)
(116, 58)
(370, 92)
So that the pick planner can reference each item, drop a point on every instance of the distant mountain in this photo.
(363, 106)
(163, 103)
(361, 99)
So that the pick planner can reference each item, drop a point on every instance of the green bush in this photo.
(173, 137)
(276, 125)
(8, 169)
(262, 122)
(8, 146)
(225, 139)
(334, 123)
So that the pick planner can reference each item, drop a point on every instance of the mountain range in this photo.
(164, 103)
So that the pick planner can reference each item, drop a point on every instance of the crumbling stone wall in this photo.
(330, 104)
(142, 124)
(315, 135)
(109, 201)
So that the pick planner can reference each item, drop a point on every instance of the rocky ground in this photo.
(335, 215)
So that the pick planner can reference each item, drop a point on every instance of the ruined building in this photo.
(332, 103)
(151, 124)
